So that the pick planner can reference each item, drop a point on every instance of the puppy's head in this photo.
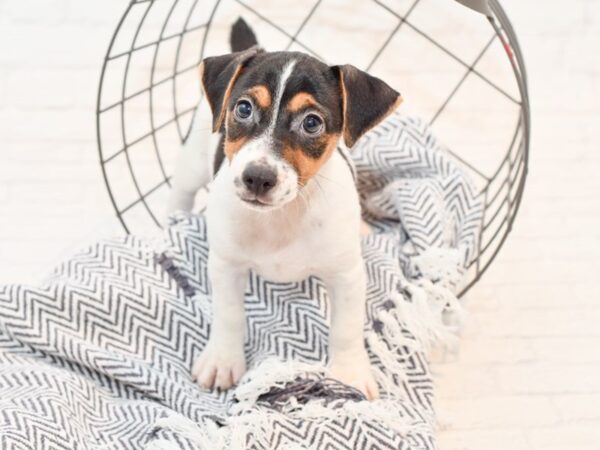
(282, 115)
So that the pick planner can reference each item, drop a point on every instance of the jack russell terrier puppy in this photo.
(283, 202)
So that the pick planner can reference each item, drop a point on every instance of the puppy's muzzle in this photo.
(259, 178)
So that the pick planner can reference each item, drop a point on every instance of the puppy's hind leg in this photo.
(194, 168)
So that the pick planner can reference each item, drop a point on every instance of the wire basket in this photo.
(457, 64)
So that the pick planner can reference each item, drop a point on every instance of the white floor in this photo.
(528, 373)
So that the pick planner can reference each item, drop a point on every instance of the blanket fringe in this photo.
(162, 444)
(416, 318)
(423, 314)
(249, 418)
(270, 373)
(433, 313)
(258, 423)
(206, 435)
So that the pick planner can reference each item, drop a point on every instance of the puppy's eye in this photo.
(312, 124)
(243, 109)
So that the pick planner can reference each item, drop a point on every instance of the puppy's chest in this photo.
(281, 252)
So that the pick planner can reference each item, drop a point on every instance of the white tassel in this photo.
(270, 373)
(257, 422)
(388, 388)
(443, 264)
(388, 359)
(162, 444)
(433, 316)
(392, 332)
(206, 435)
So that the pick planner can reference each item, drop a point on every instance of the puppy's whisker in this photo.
(297, 203)
(322, 191)
(304, 198)
(318, 175)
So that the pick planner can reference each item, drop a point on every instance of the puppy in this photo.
(283, 202)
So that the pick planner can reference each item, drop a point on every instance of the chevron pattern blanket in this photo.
(99, 356)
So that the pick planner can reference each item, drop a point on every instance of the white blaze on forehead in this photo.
(260, 149)
(285, 75)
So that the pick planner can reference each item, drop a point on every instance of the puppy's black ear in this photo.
(366, 101)
(218, 75)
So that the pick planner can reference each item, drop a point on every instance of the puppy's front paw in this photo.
(219, 367)
(357, 374)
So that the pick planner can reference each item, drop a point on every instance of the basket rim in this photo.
(503, 30)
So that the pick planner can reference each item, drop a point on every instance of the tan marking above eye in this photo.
(305, 166)
(301, 100)
(230, 147)
(262, 95)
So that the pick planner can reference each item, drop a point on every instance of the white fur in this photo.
(259, 150)
(313, 232)
(285, 75)
(194, 167)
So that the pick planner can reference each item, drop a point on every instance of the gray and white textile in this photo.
(99, 356)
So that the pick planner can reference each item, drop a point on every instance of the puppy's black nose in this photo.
(259, 178)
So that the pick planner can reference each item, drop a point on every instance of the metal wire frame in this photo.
(501, 199)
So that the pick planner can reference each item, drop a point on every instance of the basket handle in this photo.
(480, 6)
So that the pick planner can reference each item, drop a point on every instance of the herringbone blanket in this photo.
(99, 356)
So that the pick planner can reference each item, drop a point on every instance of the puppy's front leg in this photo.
(349, 361)
(222, 363)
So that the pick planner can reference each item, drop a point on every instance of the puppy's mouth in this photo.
(258, 192)
(255, 202)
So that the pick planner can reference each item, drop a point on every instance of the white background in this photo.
(528, 375)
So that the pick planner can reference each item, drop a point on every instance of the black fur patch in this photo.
(219, 155)
(365, 100)
(310, 76)
(241, 37)
(218, 72)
